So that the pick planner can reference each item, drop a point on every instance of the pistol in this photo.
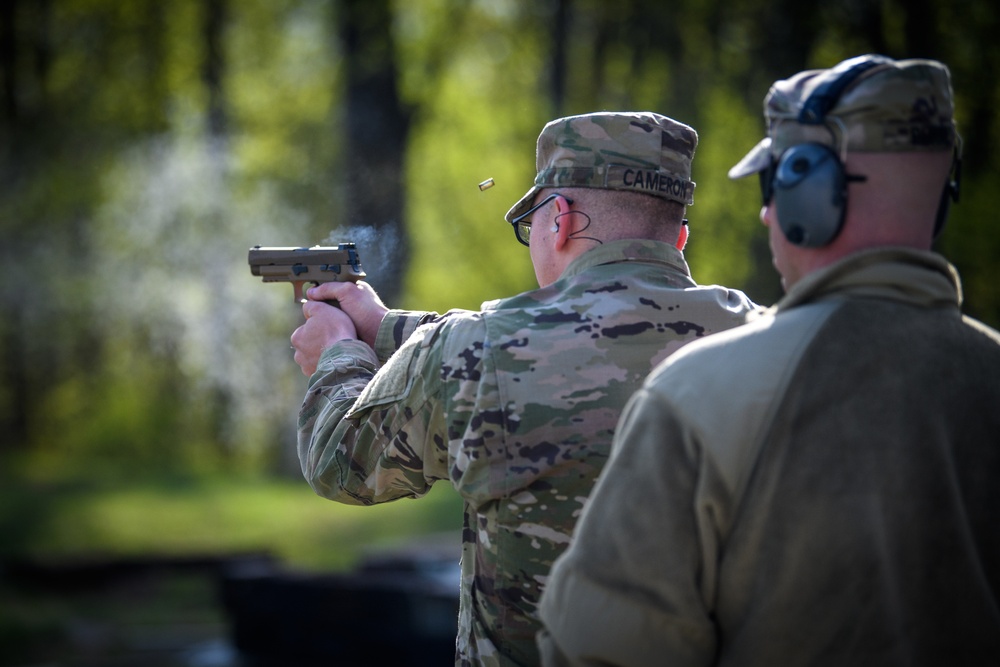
(298, 266)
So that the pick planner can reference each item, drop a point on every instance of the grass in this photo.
(210, 515)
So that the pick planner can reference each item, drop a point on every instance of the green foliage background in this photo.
(141, 154)
(147, 390)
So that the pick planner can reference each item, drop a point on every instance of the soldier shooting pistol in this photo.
(298, 266)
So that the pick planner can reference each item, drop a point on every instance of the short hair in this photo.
(620, 214)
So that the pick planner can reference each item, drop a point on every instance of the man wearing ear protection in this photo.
(515, 405)
(819, 486)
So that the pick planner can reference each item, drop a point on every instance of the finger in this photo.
(307, 368)
(329, 291)
(311, 308)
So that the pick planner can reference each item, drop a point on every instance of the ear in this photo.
(682, 238)
(564, 222)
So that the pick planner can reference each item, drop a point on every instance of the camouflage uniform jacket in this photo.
(515, 405)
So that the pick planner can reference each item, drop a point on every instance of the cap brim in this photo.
(523, 204)
(758, 159)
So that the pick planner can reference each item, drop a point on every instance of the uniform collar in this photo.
(629, 250)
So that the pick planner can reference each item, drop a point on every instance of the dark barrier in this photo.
(392, 611)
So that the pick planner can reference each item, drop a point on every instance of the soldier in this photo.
(827, 493)
(516, 404)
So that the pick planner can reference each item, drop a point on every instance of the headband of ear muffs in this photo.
(808, 181)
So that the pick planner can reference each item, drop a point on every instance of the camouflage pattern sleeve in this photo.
(368, 435)
(396, 327)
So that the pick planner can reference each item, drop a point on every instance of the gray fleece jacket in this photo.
(818, 487)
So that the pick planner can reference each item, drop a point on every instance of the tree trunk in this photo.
(377, 126)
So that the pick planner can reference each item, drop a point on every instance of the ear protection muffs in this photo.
(810, 193)
(808, 182)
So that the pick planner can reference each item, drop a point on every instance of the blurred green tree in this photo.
(145, 147)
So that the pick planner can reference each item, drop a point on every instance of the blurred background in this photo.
(147, 390)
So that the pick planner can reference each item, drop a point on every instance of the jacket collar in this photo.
(900, 274)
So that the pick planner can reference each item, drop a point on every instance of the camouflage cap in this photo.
(638, 151)
(868, 104)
